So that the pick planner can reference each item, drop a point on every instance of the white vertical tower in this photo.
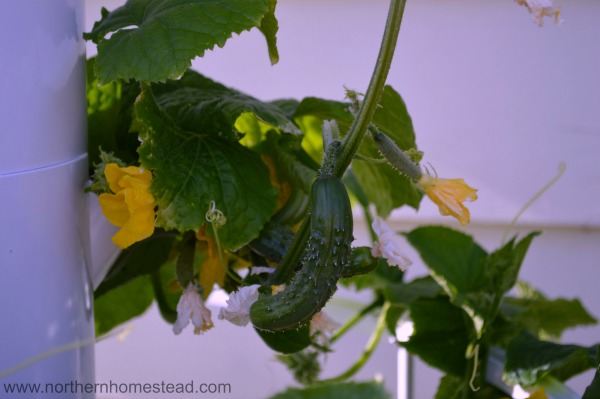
(46, 312)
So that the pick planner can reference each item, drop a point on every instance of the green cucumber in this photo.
(361, 262)
(326, 255)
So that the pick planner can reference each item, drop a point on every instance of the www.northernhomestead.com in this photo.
(74, 387)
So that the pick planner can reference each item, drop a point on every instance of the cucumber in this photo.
(326, 255)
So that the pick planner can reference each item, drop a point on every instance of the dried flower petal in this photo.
(388, 245)
(191, 307)
(238, 305)
(324, 325)
(540, 9)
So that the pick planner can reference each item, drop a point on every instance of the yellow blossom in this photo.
(539, 394)
(130, 206)
(449, 195)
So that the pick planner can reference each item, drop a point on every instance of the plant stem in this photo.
(369, 349)
(355, 134)
(292, 256)
(354, 319)
(369, 105)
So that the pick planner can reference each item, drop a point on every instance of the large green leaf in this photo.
(451, 387)
(269, 27)
(504, 264)
(122, 303)
(144, 257)
(346, 390)
(457, 263)
(155, 40)
(386, 188)
(405, 294)
(529, 359)
(191, 170)
(593, 390)
(547, 318)
(198, 104)
(454, 258)
(401, 295)
(441, 334)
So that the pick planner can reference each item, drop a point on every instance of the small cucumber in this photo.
(325, 257)
(361, 262)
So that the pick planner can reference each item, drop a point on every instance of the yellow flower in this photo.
(539, 394)
(449, 195)
(131, 206)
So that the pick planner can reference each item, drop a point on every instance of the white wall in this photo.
(494, 98)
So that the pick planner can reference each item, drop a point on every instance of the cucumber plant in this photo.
(326, 255)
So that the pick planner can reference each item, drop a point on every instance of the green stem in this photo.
(292, 256)
(353, 320)
(369, 349)
(369, 105)
(355, 134)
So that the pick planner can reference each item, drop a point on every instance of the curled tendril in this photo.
(215, 216)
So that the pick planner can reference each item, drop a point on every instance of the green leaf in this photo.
(441, 334)
(450, 387)
(141, 258)
(393, 119)
(269, 27)
(545, 318)
(386, 188)
(109, 117)
(198, 104)
(593, 390)
(310, 114)
(122, 303)
(290, 341)
(404, 294)
(456, 261)
(529, 359)
(346, 390)
(193, 169)
(155, 40)
(504, 264)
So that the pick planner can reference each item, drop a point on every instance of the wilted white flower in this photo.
(261, 269)
(191, 307)
(238, 305)
(324, 325)
(388, 245)
(540, 9)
